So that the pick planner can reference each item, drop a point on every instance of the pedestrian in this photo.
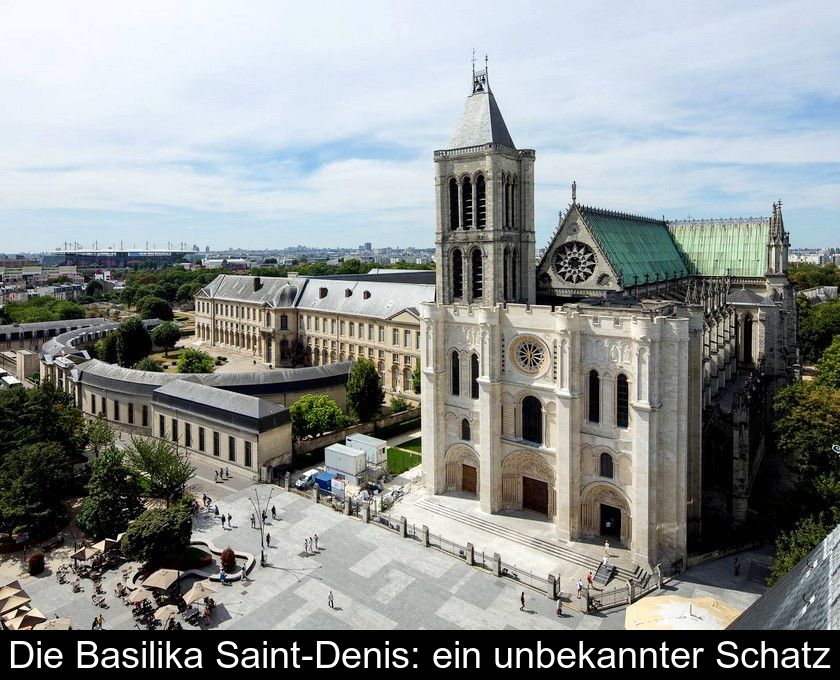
(589, 579)
(101, 620)
(253, 521)
(204, 499)
(559, 607)
(227, 472)
(264, 516)
(268, 539)
(273, 513)
(579, 588)
(331, 600)
(604, 561)
(316, 541)
(737, 567)
(311, 547)
(230, 521)
(217, 511)
(522, 602)
(606, 548)
(305, 546)
(215, 477)
(95, 624)
(223, 521)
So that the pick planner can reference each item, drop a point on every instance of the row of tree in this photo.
(42, 309)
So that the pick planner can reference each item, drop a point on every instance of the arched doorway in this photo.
(528, 483)
(462, 469)
(605, 512)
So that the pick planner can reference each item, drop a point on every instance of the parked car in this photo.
(306, 480)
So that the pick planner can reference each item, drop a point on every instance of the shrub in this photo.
(228, 558)
(35, 562)
(398, 404)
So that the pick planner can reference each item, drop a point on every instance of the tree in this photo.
(166, 468)
(152, 307)
(415, 378)
(100, 435)
(195, 361)
(314, 414)
(364, 390)
(794, 545)
(94, 289)
(166, 335)
(157, 533)
(828, 368)
(149, 364)
(818, 326)
(105, 349)
(133, 342)
(113, 496)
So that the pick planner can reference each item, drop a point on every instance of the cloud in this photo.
(263, 124)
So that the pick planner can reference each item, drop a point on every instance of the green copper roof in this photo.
(635, 246)
(737, 247)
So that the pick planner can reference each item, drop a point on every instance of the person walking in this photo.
(230, 521)
(579, 588)
(101, 621)
(305, 546)
(273, 513)
(268, 539)
(331, 600)
(216, 477)
(606, 548)
(316, 541)
(559, 607)
(522, 602)
(223, 521)
(737, 567)
(253, 521)
(589, 579)
(227, 472)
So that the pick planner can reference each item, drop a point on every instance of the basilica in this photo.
(619, 386)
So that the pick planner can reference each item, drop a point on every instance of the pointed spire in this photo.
(482, 121)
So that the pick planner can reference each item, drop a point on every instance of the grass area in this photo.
(399, 461)
(412, 445)
(170, 360)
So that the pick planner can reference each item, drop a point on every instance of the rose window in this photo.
(529, 354)
(574, 262)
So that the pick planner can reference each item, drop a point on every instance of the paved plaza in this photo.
(379, 580)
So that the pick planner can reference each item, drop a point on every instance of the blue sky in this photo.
(267, 124)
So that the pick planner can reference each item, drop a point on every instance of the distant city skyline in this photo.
(263, 124)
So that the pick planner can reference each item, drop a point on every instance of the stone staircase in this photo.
(636, 574)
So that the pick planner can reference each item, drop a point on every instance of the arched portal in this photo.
(462, 468)
(528, 483)
(605, 511)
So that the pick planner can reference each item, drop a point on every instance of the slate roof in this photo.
(744, 296)
(635, 246)
(279, 292)
(481, 123)
(806, 598)
(385, 299)
(228, 407)
(734, 247)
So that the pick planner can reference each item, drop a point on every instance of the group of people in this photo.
(310, 545)
(98, 623)
(229, 519)
(206, 501)
(221, 474)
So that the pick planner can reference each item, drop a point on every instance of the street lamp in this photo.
(259, 512)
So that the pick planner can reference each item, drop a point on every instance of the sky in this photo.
(265, 124)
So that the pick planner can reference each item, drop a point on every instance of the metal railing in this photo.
(514, 573)
(605, 599)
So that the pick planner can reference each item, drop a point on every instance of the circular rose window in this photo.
(574, 262)
(529, 354)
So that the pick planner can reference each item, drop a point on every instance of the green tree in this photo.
(105, 349)
(158, 533)
(151, 307)
(794, 545)
(99, 433)
(828, 368)
(133, 342)
(314, 414)
(113, 496)
(166, 335)
(415, 378)
(194, 361)
(167, 469)
(94, 289)
(364, 390)
(818, 326)
(149, 364)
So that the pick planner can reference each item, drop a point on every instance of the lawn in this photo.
(412, 445)
(399, 461)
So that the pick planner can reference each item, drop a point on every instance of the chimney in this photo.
(257, 284)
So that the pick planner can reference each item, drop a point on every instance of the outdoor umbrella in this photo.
(105, 545)
(14, 602)
(139, 595)
(199, 591)
(162, 578)
(26, 619)
(166, 612)
(119, 536)
(85, 554)
(54, 624)
(674, 612)
(13, 588)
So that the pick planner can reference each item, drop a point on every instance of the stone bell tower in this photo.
(484, 186)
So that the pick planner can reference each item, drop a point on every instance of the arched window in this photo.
(514, 265)
(606, 465)
(504, 202)
(481, 204)
(457, 274)
(284, 322)
(465, 430)
(316, 357)
(474, 376)
(467, 202)
(532, 420)
(395, 378)
(477, 274)
(506, 273)
(748, 340)
(408, 383)
(622, 399)
(512, 203)
(455, 374)
(594, 397)
(454, 213)
(284, 350)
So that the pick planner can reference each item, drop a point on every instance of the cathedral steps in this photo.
(566, 554)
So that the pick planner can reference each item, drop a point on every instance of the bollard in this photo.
(588, 600)
(316, 493)
(346, 506)
(366, 513)
(470, 554)
(552, 587)
(403, 527)
(424, 536)
(287, 481)
(497, 565)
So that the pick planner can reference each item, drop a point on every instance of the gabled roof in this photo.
(276, 291)
(725, 247)
(481, 121)
(744, 296)
(636, 247)
(369, 298)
